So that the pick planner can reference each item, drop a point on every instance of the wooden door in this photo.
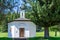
(21, 32)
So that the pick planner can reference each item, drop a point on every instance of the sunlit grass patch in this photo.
(40, 34)
(5, 34)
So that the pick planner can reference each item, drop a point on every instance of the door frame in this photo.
(21, 32)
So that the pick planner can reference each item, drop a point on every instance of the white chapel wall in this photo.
(30, 28)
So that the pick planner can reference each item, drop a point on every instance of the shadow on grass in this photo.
(42, 38)
(34, 38)
(5, 38)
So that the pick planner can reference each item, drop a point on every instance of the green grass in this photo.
(52, 34)
(39, 36)
(5, 34)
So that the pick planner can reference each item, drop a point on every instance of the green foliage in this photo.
(5, 19)
(55, 28)
(45, 12)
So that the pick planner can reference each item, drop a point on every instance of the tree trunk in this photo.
(55, 33)
(46, 32)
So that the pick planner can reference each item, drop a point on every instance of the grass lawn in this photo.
(39, 36)
(51, 34)
(4, 34)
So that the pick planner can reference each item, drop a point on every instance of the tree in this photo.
(46, 14)
(49, 15)
(5, 18)
(2, 21)
(6, 4)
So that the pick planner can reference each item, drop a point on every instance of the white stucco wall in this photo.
(30, 29)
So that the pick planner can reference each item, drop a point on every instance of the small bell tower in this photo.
(22, 14)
